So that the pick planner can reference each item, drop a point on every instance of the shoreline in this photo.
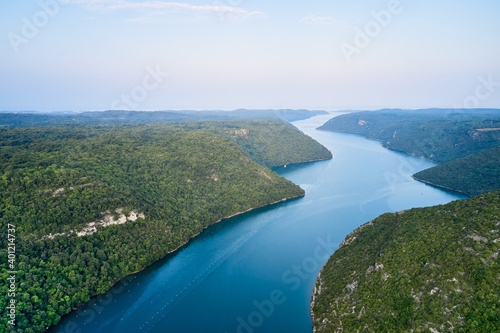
(378, 140)
(295, 163)
(177, 248)
(313, 297)
(347, 241)
(440, 186)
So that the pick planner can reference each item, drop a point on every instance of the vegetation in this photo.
(423, 270)
(471, 175)
(92, 204)
(269, 142)
(26, 119)
(435, 134)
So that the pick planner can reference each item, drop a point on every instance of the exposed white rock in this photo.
(478, 238)
(375, 268)
(352, 286)
(433, 291)
(238, 132)
(52, 236)
(58, 191)
(107, 220)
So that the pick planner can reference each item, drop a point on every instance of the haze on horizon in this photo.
(227, 54)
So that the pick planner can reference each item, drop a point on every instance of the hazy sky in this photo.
(227, 54)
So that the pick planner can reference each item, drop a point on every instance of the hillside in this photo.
(92, 204)
(471, 175)
(269, 142)
(430, 269)
(440, 135)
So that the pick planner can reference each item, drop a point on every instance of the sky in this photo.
(90, 55)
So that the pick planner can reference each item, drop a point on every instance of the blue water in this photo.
(256, 272)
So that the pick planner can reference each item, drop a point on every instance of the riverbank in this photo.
(319, 284)
(440, 186)
(317, 291)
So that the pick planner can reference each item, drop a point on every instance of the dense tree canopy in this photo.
(60, 186)
(269, 143)
(473, 174)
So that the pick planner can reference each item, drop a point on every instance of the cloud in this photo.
(228, 12)
(144, 19)
(318, 20)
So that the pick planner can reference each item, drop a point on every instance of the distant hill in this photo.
(472, 175)
(25, 119)
(433, 269)
(440, 135)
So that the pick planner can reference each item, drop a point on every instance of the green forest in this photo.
(439, 135)
(93, 204)
(430, 269)
(466, 141)
(269, 143)
(472, 175)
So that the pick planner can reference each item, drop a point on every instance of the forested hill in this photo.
(472, 175)
(26, 119)
(92, 204)
(440, 135)
(268, 142)
(433, 269)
